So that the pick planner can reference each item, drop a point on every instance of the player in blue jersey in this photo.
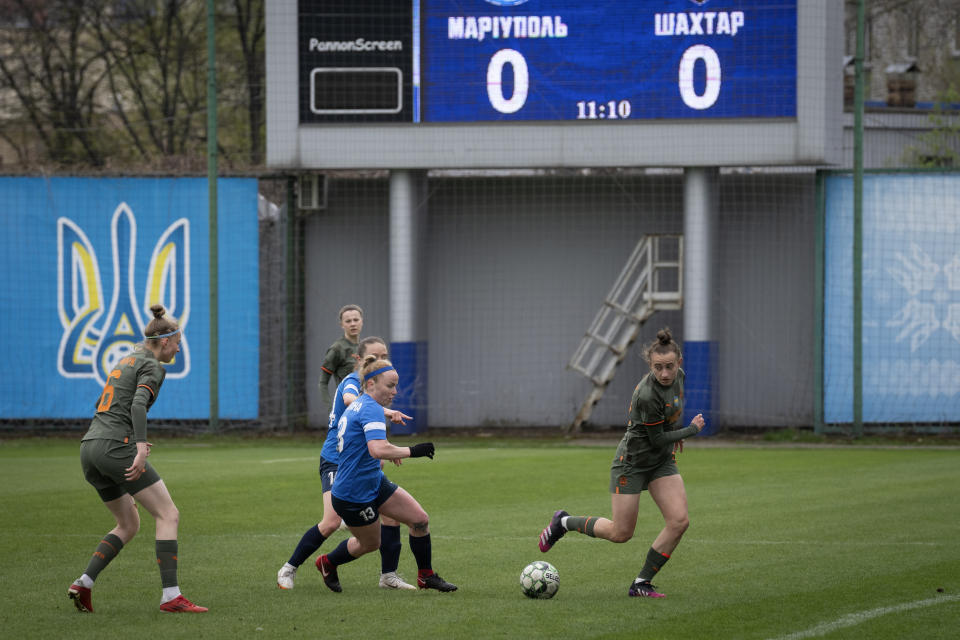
(347, 391)
(361, 491)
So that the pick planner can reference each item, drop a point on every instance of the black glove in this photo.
(422, 449)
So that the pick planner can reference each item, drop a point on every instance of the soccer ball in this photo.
(540, 580)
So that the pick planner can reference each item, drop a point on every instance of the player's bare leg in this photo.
(671, 497)
(624, 508)
(125, 513)
(404, 507)
(156, 499)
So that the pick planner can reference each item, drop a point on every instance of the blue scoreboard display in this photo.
(525, 60)
(432, 84)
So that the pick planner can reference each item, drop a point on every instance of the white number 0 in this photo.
(521, 81)
(712, 89)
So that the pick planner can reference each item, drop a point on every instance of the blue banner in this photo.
(911, 299)
(699, 367)
(608, 59)
(83, 261)
(410, 360)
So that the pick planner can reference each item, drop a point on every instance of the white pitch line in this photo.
(853, 619)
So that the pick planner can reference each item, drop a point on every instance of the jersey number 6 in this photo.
(107, 396)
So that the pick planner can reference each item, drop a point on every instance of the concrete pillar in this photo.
(700, 204)
(408, 345)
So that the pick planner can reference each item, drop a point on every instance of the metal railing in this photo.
(650, 281)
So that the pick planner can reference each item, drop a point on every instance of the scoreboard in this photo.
(608, 60)
(563, 60)
(482, 74)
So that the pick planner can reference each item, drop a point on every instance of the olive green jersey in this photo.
(653, 424)
(339, 361)
(139, 372)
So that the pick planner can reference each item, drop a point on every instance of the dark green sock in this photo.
(106, 551)
(167, 559)
(655, 561)
(582, 524)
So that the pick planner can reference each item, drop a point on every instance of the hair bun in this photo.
(158, 311)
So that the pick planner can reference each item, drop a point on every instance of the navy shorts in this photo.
(328, 473)
(360, 514)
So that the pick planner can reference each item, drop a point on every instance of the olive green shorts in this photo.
(625, 478)
(105, 463)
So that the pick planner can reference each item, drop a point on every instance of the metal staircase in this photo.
(651, 281)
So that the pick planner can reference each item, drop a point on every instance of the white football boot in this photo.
(393, 581)
(285, 576)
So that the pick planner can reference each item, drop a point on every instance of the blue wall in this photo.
(84, 258)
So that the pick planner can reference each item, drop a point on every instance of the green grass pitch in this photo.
(784, 543)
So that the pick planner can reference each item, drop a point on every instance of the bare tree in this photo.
(53, 73)
(154, 56)
(251, 31)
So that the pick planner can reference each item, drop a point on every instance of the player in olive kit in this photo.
(113, 456)
(341, 357)
(644, 460)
